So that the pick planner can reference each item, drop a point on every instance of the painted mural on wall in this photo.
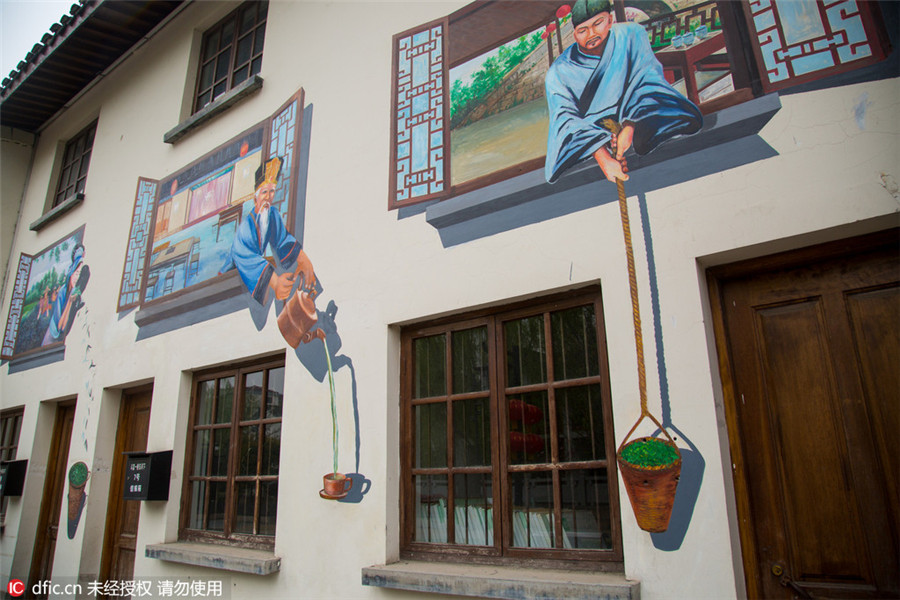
(76, 497)
(47, 296)
(610, 72)
(197, 214)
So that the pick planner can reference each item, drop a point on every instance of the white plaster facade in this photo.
(834, 174)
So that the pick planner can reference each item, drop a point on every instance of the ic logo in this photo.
(15, 587)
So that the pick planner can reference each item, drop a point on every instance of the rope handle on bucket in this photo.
(614, 128)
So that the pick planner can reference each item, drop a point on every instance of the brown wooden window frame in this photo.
(10, 429)
(76, 160)
(503, 467)
(231, 73)
(235, 421)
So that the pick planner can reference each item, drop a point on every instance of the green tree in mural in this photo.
(465, 97)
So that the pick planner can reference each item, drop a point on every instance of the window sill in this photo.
(528, 198)
(214, 109)
(499, 582)
(214, 298)
(58, 211)
(241, 560)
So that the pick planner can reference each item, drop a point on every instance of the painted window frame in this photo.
(76, 159)
(235, 72)
(234, 423)
(502, 466)
(741, 47)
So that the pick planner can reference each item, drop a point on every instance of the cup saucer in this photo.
(330, 497)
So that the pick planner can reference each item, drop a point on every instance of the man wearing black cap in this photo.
(609, 72)
(263, 228)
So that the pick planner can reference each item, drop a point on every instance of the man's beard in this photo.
(263, 221)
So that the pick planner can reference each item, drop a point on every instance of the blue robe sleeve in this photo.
(283, 243)
(248, 257)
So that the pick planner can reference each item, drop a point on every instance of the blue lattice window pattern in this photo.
(138, 237)
(421, 170)
(800, 40)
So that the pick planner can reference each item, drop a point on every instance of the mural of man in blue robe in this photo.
(264, 228)
(610, 72)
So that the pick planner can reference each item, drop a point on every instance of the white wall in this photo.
(835, 174)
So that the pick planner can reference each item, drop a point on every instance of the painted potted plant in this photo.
(650, 468)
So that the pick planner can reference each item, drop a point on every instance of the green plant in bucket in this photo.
(649, 452)
(78, 474)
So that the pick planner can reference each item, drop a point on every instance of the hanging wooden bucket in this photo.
(651, 488)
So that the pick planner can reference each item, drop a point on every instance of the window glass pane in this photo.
(252, 395)
(431, 508)
(531, 495)
(271, 449)
(245, 45)
(219, 89)
(198, 500)
(259, 38)
(525, 352)
(201, 452)
(212, 44)
(431, 435)
(471, 433)
(222, 66)
(227, 34)
(206, 75)
(248, 18)
(83, 165)
(470, 360)
(249, 450)
(275, 394)
(473, 512)
(529, 428)
(221, 442)
(225, 400)
(256, 65)
(245, 498)
(268, 507)
(579, 421)
(574, 343)
(216, 519)
(430, 366)
(203, 99)
(206, 395)
(585, 509)
(240, 75)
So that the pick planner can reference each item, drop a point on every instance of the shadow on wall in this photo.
(692, 463)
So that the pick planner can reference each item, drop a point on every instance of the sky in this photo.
(22, 24)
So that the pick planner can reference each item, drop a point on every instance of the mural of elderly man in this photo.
(66, 299)
(610, 72)
(264, 228)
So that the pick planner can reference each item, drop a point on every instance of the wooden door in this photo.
(809, 346)
(119, 540)
(51, 501)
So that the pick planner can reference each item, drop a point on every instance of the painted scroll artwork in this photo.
(56, 279)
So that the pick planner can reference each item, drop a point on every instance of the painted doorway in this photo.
(51, 501)
(809, 343)
(119, 540)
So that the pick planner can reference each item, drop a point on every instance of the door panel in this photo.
(811, 346)
(120, 539)
(51, 501)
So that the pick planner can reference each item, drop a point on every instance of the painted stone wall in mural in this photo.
(47, 296)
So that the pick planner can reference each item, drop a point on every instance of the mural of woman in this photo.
(66, 300)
